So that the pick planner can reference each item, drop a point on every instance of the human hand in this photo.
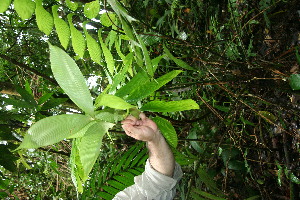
(144, 129)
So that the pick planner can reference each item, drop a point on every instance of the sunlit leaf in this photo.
(78, 41)
(107, 19)
(92, 9)
(62, 28)
(44, 19)
(70, 79)
(24, 8)
(72, 5)
(4, 4)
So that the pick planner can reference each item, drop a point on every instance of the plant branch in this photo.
(26, 67)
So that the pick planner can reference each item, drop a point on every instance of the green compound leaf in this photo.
(107, 54)
(179, 62)
(78, 41)
(90, 144)
(93, 46)
(62, 28)
(24, 8)
(70, 79)
(167, 129)
(144, 90)
(295, 81)
(44, 19)
(4, 4)
(171, 106)
(107, 19)
(72, 5)
(53, 129)
(92, 9)
(112, 102)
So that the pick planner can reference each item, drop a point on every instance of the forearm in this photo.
(160, 155)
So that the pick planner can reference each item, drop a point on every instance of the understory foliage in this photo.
(220, 79)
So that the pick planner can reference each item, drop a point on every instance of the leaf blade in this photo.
(70, 78)
(167, 130)
(171, 106)
(112, 102)
(53, 129)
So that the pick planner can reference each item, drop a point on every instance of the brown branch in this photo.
(26, 67)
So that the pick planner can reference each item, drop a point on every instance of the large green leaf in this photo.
(167, 130)
(90, 143)
(62, 28)
(78, 41)
(44, 19)
(4, 4)
(145, 90)
(24, 8)
(53, 129)
(179, 62)
(107, 54)
(170, 106)
(112, 102)
(71, 80)
(92, 9)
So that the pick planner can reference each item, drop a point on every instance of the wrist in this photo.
(156, 140)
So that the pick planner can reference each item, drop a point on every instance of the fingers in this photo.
(130, 120)
(130, 130)
(143, 116)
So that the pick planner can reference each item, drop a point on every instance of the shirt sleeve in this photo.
(151, 185)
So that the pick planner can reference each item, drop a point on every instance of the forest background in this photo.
(240, 63)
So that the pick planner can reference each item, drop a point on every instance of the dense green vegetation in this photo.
(237, 59)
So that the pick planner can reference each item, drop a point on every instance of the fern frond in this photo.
(120, 169)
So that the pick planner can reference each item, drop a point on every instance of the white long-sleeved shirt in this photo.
(151, 185)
